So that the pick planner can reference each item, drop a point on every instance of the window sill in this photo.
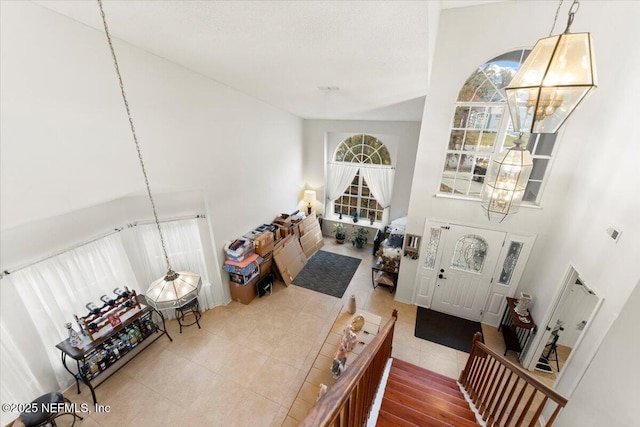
(349, 220)
(477, 199)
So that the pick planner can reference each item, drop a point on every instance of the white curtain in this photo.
(20, 384)
(380, 182)
(340, 176)
(50, 293)
(184, 249)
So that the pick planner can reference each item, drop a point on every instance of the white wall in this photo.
(68, 158)
(403, 140)
(596, 402)
(593, 182)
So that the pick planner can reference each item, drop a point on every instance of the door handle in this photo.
(441, 276)
(442, 270)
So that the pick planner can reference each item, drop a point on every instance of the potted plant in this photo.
(360, 237)
(339, 232)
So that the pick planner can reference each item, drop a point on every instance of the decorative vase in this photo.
(351, 306)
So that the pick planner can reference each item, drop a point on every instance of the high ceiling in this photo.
(364, 60)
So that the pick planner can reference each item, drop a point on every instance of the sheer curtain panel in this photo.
(380, 182)
(340, 176)
(184, 248)
(50, 293)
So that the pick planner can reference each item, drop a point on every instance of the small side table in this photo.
(516, 328)
(380, 268)
(192, 308)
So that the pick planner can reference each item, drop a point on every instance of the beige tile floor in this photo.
(248, 363)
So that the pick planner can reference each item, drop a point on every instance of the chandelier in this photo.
(505, 183)
(176, 288)
(556, 77)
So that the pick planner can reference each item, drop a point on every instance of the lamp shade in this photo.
(505, 183)
(557, 75)
(174, 290)
(309, 196)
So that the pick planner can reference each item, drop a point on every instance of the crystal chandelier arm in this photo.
(133, 132)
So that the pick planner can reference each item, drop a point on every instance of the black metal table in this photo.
(84, 357)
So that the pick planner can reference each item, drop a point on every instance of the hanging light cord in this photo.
(133, 132)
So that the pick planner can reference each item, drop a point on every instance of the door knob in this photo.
(442, 270)
(441, 276)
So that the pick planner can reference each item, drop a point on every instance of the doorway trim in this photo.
(536, 350)
(494, 304)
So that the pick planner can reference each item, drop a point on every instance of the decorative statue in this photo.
(350, 339)
(340, 359)
(322, 391)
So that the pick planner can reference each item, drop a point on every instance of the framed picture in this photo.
(114, 319)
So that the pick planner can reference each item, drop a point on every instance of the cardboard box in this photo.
(265, 266)
(244, 293)
(279, 220)
(263, 243)
(289, 259)
(245, 278)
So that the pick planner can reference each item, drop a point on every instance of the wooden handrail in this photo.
(348, 402)
(492, 382)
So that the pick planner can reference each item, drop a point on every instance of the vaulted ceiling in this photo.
(315, 59)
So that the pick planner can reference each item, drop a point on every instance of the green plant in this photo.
(359, 237)
(339, 231)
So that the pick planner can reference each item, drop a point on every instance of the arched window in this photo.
(482, 128)
(358, 197)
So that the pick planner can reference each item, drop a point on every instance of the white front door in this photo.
(466, 268)
(456, 269)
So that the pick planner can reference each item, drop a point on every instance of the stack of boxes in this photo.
(249, 260)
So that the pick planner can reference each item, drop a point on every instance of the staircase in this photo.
(503, 393)
(415, 396)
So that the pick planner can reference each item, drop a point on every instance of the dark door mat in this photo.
(445, 329)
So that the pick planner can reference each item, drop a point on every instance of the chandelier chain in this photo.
(572, 13)
(555, 19)
(133, 132)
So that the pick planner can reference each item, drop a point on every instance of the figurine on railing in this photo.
(339, 361)
(350, 338)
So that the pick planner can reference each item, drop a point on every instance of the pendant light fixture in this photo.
(176, 288)
(558, 74)
(506, 181)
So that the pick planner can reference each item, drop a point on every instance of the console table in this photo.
(380, 270)
(102, 357)
(516, 328)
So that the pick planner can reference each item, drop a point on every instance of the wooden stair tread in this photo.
(408, 377)
(438, 412)
(409, 415)
(424, 373)
(455, 406)
(385, 419)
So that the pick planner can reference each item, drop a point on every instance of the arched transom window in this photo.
(481, 128)
(361, 149)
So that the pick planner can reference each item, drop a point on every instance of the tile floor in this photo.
(248, 363)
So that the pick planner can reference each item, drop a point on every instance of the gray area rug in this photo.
(328, 273)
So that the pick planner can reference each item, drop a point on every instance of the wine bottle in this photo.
(107, 300)
(93, 308)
